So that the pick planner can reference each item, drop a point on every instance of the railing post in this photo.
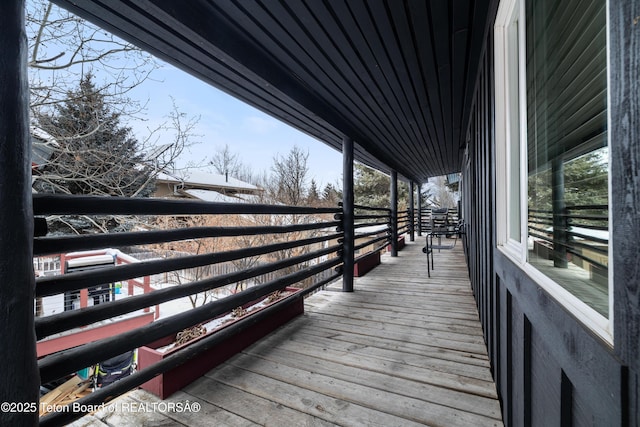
(19, 374)
(419, 209)
(347, 215)
(559, 221)
(412, 229)
(394, 213)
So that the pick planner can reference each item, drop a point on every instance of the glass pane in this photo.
(567, 146)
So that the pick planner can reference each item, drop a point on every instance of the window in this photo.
(551, 110)
(509, 71)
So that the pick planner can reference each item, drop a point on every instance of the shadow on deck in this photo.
(402, 350)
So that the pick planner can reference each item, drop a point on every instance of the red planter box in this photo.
(366, 264)
(164, 385)
(401, 244)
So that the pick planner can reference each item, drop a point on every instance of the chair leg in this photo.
(426, 251)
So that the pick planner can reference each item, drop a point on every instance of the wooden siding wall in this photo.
(625, 166)
(549, 369)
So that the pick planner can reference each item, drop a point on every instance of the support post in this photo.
(394, 213)
(347, 215)
(19, 374)
(419, 210)
(559, 217)
(412, 230)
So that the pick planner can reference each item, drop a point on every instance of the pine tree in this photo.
(313, 196)
(95, 153)
(331, 196)
(373, 188)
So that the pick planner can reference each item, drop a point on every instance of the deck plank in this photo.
(403, 349)
(384, 374)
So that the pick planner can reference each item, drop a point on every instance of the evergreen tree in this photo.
(95, 153)
(585, 183)
(313, 196)
(373, 188)
(586, 180)
(331, 196)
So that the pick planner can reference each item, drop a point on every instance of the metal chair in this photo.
(439, 220)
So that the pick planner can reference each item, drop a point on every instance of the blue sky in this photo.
(255, 136)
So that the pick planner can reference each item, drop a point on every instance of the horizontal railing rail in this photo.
(404, 225)
(573, 224)
(71, 319)
(74, 281)
(52, 245)
(378, 237)
(44, 204)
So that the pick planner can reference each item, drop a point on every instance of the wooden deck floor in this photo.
(402, 350)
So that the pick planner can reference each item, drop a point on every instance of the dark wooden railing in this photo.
(423, 219)
(403, 222)
(377, 218)
(569, 231)
(312, 235)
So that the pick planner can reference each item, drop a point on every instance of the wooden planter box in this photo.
(365, 264)
(401, 244)
(543, 249)
(164, 385)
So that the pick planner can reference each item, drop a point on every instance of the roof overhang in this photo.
(397, 77)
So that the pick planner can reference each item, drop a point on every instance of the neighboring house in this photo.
(42, 147)
(205, 186)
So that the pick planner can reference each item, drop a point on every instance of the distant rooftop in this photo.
(209, 187)
(203, 180)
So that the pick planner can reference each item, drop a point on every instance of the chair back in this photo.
(439, 219)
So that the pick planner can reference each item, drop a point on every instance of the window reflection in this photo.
(567, 146)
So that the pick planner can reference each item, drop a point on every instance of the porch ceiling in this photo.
(396, 76)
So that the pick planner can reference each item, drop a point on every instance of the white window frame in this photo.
(509, 12)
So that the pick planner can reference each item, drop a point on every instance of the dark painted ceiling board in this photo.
(480, 11)
(393, 149)
(439, 29)
(284, 38)
(386, 70)
(460, 46)
(280, 66)
(337, 53)
(362, 43)
(346, 63)
(426, 57)
(359, 60)
(393, 47)
(314, 75)
(313, 104)
(442, 42)
(418, 95)
(414, 124)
